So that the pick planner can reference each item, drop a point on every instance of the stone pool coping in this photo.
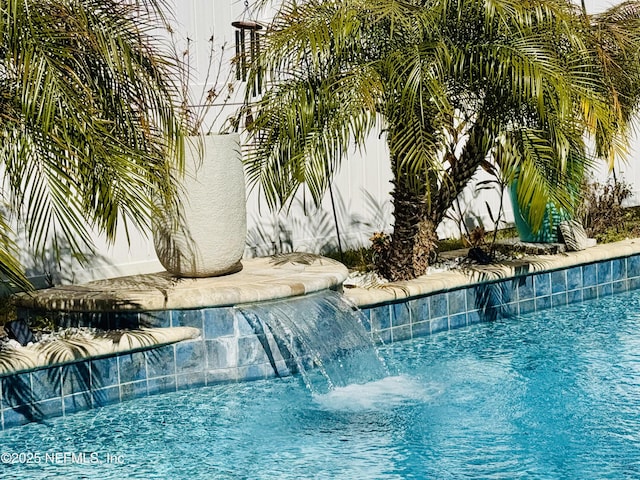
(474, 274)
(77, 347)
(261, 279)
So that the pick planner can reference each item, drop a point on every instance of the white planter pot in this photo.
(208, 239)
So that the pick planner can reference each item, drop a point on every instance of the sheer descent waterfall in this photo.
(320, 336)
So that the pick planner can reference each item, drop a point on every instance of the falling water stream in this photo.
(319, 336)
(547, 395)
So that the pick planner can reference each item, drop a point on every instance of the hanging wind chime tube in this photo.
(248, 56)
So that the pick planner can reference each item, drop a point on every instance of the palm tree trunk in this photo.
(460, 172)
(413, 245)
(407, 254)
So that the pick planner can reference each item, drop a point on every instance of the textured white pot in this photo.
(208, 238)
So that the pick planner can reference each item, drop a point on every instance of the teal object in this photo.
(548, 232)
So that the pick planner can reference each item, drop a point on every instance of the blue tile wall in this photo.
(525, 288)
(76, 378)
(106, 396)
(161, 362)
(618, 269)
(222, 353)
(380, 318)
(401, 333)
(161, 385)
(187, 318)
(190, 357)
(473, 317)
(421, 329)
(457, 300)
(574, 278)
(229, 350)
(400, 314)
(76, 402)
(559, 281)
(438, 305)
(133, 390)
(132, 367)
(497, 299)
(104, 372)
(46, 384)
(633, 266)
(620, 286)
(419, 309)
(219, 322)
(590, 293)
(589, 275)
(574, 296)
(190, 380)
(542, 284)
(604, 270)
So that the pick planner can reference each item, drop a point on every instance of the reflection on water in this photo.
(548, 395)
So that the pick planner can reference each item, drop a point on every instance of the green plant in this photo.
(453, 84)
(360, 259)
(43, 323)
(8, 310)
(449, 244)
(89, 132)
(477, 237)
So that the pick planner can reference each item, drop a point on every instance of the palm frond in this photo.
(457, 84)
(88, 123)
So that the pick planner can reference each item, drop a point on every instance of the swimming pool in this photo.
(552, 394)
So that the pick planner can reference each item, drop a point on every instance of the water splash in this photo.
(387, 393)
(320, 336)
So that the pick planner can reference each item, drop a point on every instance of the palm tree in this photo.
(519, 82)
(88, 129)
(613, 36)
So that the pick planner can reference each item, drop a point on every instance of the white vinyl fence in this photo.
(360, 191)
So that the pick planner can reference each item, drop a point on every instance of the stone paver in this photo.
(451, 279)
(264, 279)
(260, 279)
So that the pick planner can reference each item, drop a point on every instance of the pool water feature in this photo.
(552, 394)
(319, 336)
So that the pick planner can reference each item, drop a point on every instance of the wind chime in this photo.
(248, 50)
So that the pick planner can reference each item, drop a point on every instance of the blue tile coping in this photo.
(228, 350)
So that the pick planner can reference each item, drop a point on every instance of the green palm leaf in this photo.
(519, 84)
(88, 125)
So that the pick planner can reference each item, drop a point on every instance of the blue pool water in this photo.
(550, 395)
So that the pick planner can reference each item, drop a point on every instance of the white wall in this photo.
(361, 189)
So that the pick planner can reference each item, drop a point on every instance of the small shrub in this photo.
(7, 311)
(449, 244)
(601, 210)
(477, 237)
(360, 259)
